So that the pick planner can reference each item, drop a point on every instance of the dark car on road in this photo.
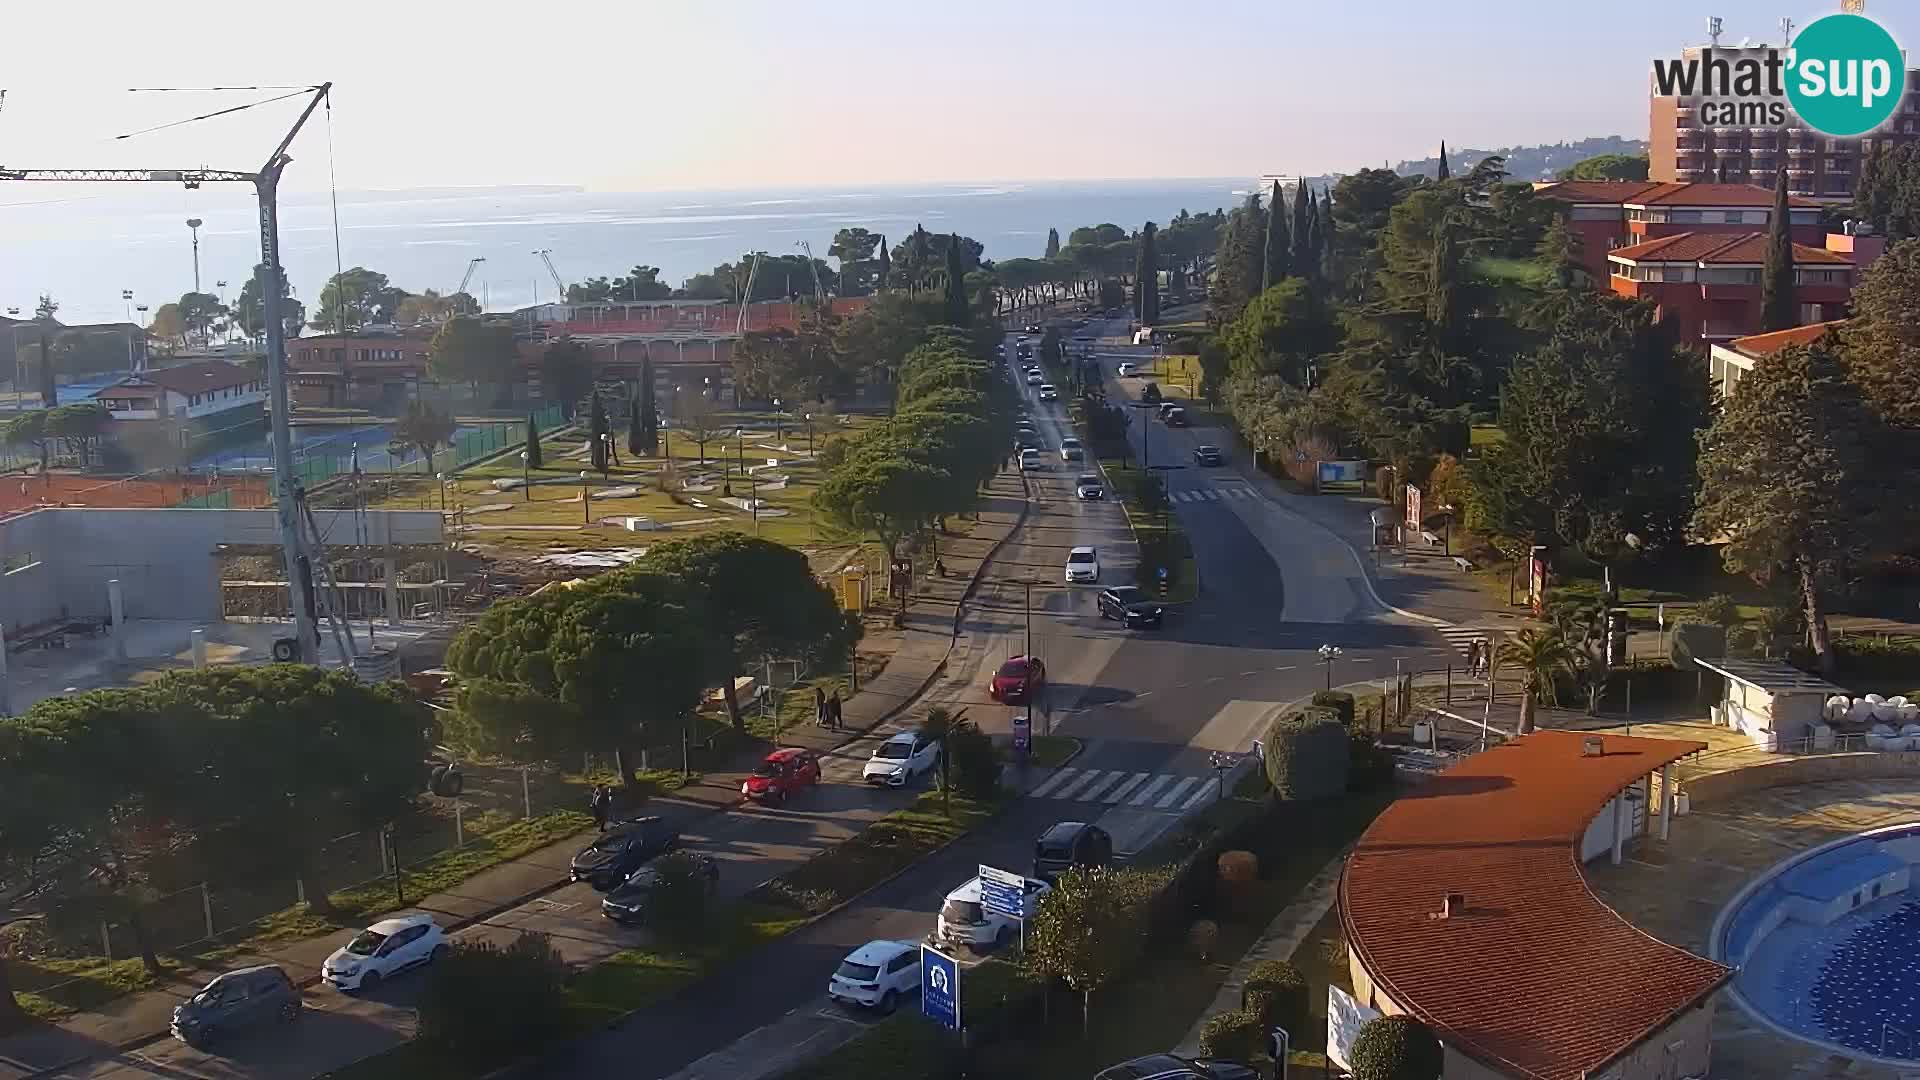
(1207, 455)
(1130, 606)
(628, 904)
(1069, 844)
(1169, 1067)
(1176, 417)
(235, 1001)
(623, 849)
(1017, 679)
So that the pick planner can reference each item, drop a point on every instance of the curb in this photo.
(973, 585)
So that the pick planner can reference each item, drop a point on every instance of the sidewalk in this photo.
(926, 638)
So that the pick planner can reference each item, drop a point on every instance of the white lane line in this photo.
(1121, 792)
(1146, 793)
(1052, 782)
(1143, 693)
(1199, 793)
(1287, 668)
(1245, 673)
(1175, 792)
(1094, 791)
(1085, 778)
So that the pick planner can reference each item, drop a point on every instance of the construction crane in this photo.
(289, 497)
(559, 290)
(819, 290)
(472, 265)
(753, 271)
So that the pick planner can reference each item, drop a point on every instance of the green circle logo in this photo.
(1846, 75)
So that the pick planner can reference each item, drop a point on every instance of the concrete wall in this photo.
(1684, 1047)
(1810, 769)
(162, 558)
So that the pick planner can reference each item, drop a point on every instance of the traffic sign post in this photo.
(1278, 1045)
(940, 987)
(1022, 733)
(1005, 893)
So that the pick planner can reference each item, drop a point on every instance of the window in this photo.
(1687, 216)
(906, 960)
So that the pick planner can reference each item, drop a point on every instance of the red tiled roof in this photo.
(1758, 345)
(1748, 247)
(1595, 191)
(1537, 978)
(1713, 195)
(199, 377)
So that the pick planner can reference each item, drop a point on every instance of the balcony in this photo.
(1800, 167)
(1689, 138)
(1797, 150)
(1690, 173)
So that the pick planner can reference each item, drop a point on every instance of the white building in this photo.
(1730, 362)
(187, 392)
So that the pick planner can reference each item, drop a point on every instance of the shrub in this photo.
(484, 1004)
(1397, 1048)
(1370, 767)
(1718, 610)
(1307, 757)
(976, 765)
(1237, 873)
(677, 906)
(1233, 1036)
(1203, 937)
(1696, 639)
(1339, 702)
(1276, 992)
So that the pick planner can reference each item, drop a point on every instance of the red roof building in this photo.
(1710, 282)
(1610, 214)
(1464, 906)
(184, 392)
(1729, 363)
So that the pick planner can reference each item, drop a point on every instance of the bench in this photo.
(1462, 562)
(1430, 538)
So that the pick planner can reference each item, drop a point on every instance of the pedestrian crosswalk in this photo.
(1461, 638)
(1121, 787)
(1234, 491)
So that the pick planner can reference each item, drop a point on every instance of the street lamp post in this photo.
(809, 434)
(779, 428)
(442, 478)
(1028, 584)
(586, 514)
(1329, 653)
(526, 483)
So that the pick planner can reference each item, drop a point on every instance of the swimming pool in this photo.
(1826, 946)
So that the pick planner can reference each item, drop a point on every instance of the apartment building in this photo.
(1610, 214)
(1709, 283)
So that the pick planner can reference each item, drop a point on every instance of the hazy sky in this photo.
(741, 93)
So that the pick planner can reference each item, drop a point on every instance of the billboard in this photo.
(1345, 1017)
(940, 987)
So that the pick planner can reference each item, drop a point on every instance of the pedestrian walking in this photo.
(833, 711)
(819, 706)
(601, 800)
(1473, 658)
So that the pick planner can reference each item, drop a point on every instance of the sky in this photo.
(669, 96)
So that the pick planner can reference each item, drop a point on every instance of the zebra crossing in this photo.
(1121, 787)
(1192, 495)
(1460, 637)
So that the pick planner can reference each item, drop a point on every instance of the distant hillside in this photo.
(1526, 162)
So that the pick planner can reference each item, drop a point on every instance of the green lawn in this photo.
(1151, 530)
(1526, 273)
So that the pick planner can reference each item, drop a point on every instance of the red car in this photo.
(1016, 679)
(783, 773)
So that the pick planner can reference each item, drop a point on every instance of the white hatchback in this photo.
(901, 758)
(383, 950)
(1083, 565)
(877, 974)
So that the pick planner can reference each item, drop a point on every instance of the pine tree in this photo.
(1442, 172)
(1053, 243)
(649, 412)
(633, 427)
(1302, 231)
(1778, 308)
(1277, 259)
(1148, 283)
(959, 313)
(1238, 261)
(533, 444)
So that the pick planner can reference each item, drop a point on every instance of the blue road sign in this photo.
(1003, 893)
(1022, 732)
(940, 987)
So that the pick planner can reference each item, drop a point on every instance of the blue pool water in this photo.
(1866, 994)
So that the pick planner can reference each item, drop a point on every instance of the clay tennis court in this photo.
(152, 490)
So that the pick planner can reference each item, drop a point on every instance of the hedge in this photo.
(1308, 757)
(1276, 992)
(1234, 1036)
(1339, 702)
(1397, 1048)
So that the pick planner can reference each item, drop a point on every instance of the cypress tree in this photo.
(1302, 230)
(1276, 260)
(649, 412)
(1139, 278)
(596, 430)
(1148, 283)
(1778, 307)
(1442, 172)
(1053, 242)
(958, 312)
(1323, 234)
(533, 444)
(886, 267)
(633, 426)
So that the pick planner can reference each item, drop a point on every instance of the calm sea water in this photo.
(84, 244)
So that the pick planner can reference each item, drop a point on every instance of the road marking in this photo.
(1175, 792)
(1143, 693)
(1093, 792)
(1146, 793)
(1216, 678)
(1193, 799)
(1121, 791)
(1052, 782)
(1246, 673)
(1079, 782)
(1289, 667)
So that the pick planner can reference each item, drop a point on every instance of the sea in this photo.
(86, 245)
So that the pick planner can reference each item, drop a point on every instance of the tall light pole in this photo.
(127, 295)
(586, 515)
(221, 295)
(526, 485)
(1329, 653)
(194, 224)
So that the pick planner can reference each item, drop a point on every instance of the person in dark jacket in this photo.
(834, 719)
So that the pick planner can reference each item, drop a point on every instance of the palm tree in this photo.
(940, 725)
(1540, 655)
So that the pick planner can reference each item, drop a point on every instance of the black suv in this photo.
(621, 850)
(1130, 605)
(1070, 844)
(1206, 455)
(235, 1001)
